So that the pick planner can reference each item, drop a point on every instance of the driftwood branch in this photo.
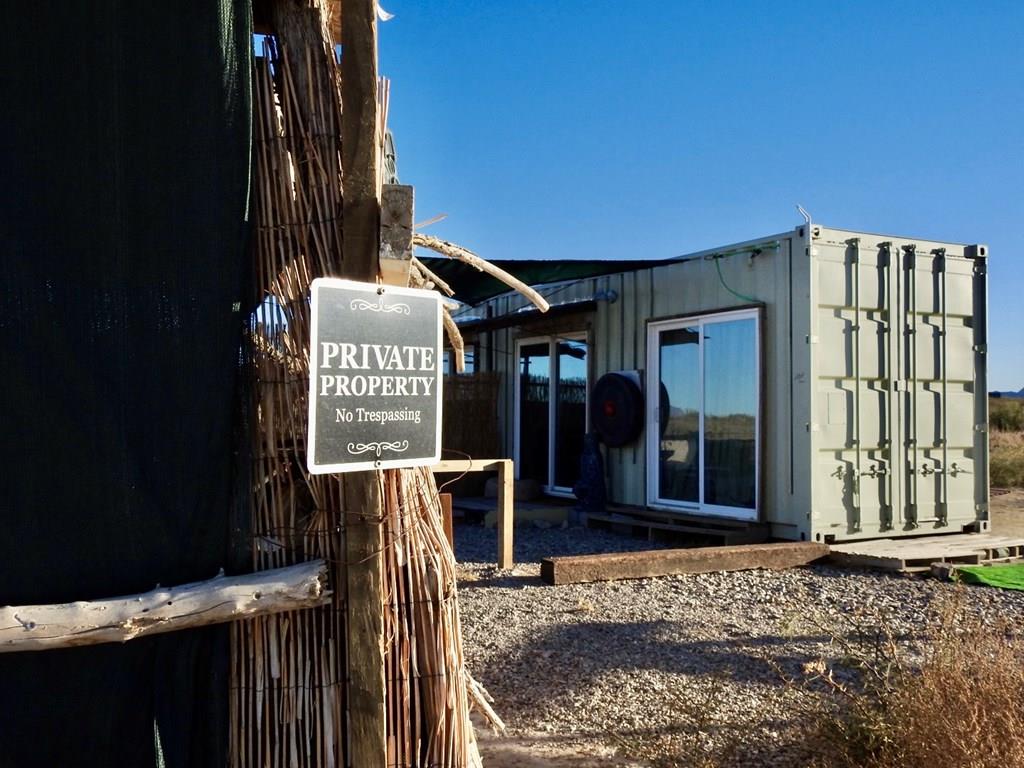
(119, 619)
(429, 278)
(458, 345)
(483, 700)
(459, 253)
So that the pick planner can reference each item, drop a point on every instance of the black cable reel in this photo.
(617, 409)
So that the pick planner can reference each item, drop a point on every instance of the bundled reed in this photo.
(289, 701)
(288, 670)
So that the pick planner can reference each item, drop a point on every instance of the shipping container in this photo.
(827, 383)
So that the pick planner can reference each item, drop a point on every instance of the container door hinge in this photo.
(981, 427)
(981, 349)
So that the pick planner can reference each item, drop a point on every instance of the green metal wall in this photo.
(808, 460)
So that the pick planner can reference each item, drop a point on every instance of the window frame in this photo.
(654, 329)
(448, 362)
(552, 341)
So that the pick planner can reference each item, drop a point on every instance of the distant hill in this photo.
(1019, 393)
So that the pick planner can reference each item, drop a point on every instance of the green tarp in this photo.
(472, 286)
(1010, 576)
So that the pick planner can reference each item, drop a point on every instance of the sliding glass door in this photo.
(551, 410)
(533, 417)
(703, 414)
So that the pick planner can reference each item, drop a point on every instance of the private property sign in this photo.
(375, 377)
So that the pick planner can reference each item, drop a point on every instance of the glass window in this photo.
(534, 407)
(679, 414)
(730, 413)
(702, 447)
(570, 410)
(551, 411)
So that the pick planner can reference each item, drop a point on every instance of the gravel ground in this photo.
(685, 662)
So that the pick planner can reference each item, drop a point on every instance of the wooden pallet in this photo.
(665, 524)
(917, 554)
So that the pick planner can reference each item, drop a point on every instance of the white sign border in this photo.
(375, 290)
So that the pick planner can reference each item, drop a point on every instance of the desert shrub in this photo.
(687, 743)
(1006, 459)
(948, 699)
(1006, 414)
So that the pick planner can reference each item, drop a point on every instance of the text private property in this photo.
(403, 361)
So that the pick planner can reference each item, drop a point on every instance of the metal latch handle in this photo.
(875, 471)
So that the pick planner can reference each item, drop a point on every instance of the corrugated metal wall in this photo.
(809, 470)
(692, 287)
(617, 331)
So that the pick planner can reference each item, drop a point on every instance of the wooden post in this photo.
(359, 136)
(505, 489)
(360, 253)
(397, 204)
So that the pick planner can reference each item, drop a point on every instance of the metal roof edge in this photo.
(655, 263)
(740, 246)
(889, 235)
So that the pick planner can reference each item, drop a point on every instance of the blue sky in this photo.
(574, 129)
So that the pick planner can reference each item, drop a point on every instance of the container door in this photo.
(936, 394)
(856, 363)
(899, 351)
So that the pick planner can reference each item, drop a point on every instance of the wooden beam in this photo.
(360, 254)
(364, 543)
(396, 214)
(506, 497)
(120, 619)
(505, 512)
(360, 128)
(664, 562)
(468, 465)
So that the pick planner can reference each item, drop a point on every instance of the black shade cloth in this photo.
(125, 149)
(472, 286)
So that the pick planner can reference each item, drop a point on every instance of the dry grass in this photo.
(1006, 414)
(689, 743)
(1006, 459)
(1006, 442)
(948, 699)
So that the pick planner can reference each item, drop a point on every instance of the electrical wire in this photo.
(718, 268)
